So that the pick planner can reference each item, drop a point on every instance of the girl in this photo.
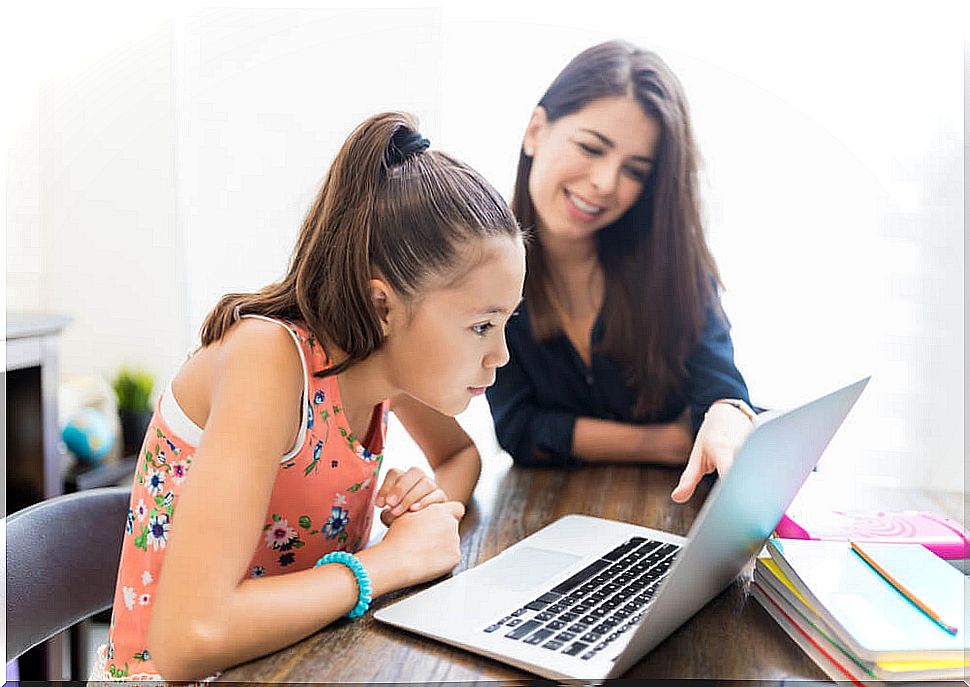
(625, 352)
(263, 453)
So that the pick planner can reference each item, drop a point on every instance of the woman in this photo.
(621, 351)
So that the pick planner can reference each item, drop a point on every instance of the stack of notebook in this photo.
(858, 626)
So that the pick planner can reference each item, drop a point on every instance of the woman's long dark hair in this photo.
(659, 273)
(387, 203)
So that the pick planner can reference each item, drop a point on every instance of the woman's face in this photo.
(589, 167)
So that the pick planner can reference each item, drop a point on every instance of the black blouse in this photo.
(537, 397)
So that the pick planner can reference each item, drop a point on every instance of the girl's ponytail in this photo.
(333, 293)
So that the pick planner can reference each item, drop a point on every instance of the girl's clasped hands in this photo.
(406, 491)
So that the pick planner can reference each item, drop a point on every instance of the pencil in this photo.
(910, 596)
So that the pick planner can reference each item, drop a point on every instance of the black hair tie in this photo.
(404, 145)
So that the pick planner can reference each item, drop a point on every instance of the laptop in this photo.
(585, 598)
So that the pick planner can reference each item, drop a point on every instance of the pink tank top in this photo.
(322, 501)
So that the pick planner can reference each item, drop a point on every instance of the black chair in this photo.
(62, 561)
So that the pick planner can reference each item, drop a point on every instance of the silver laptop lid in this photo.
(741, 511)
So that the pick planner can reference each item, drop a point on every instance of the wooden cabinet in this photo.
(32, 457)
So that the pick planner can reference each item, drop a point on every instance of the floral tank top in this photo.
(322, 501)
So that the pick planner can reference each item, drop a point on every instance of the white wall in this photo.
(267, 97)
(832, 138)
(91, 188)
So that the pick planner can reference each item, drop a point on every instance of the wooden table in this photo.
(731, 638)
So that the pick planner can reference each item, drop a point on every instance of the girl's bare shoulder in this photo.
(263, 353)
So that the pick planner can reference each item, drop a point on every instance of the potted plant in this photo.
(133, 389)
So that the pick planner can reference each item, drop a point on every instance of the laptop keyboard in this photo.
(582, 615)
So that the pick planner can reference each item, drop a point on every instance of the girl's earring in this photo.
(528, 151)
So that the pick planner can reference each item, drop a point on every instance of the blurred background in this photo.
(158, 157)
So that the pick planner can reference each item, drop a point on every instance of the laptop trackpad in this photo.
(523, 569)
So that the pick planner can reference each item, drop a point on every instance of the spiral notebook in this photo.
(942, 535)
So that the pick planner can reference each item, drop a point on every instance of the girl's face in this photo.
(589, 167)
(445, 348)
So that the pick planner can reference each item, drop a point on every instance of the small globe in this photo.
(89, 435)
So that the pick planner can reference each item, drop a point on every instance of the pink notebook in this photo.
(942, 535)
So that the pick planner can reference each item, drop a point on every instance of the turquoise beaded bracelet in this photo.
(363, 579)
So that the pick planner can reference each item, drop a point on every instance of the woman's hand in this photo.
(419, 546)
(724, 429)
(406, 491)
